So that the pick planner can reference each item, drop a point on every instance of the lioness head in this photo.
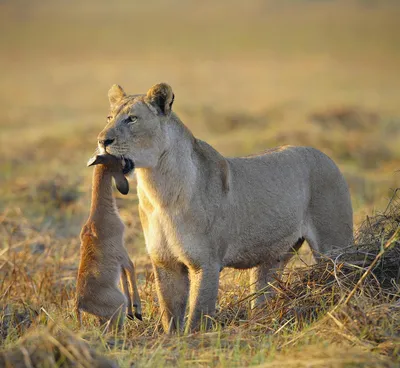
(135, 129)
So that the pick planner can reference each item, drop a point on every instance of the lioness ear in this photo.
(162, 97)
(115, 95)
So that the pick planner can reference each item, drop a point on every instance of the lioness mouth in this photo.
(128, 164)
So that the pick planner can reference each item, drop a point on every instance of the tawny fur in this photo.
(202, 212)
(104, 260)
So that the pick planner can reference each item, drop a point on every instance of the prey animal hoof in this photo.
(132, 317)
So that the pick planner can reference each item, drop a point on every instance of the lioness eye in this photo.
(131, 119)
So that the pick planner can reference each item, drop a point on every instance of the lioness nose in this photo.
(106, 142)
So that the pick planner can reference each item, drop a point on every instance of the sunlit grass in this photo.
(246, 76)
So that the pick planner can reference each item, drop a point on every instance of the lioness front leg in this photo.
(203, 295)
(172, 284)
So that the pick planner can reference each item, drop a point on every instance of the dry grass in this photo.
(247, 76)
(51, 348)
(311, 310)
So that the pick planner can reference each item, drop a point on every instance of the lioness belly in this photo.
(251, 254)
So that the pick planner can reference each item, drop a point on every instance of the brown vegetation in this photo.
(247, 76)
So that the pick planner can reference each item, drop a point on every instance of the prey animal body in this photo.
(104, 260)
(201, 211)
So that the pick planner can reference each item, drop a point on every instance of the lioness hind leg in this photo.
(327, 235)
(264, 274)
(330, 219)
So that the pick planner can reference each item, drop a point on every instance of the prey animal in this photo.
(104, 260)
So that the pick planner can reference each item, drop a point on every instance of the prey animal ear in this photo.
(96, 160)
(115, 95)
(162, 97)
(121, 183)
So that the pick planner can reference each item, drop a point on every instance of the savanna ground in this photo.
(247, 75)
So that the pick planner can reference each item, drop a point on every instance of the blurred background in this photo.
(247, 75)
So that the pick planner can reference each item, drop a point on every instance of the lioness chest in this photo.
(170, 238)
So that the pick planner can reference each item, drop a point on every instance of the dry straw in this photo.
(351, 296)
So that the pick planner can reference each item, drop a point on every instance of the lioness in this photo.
(202, 212)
